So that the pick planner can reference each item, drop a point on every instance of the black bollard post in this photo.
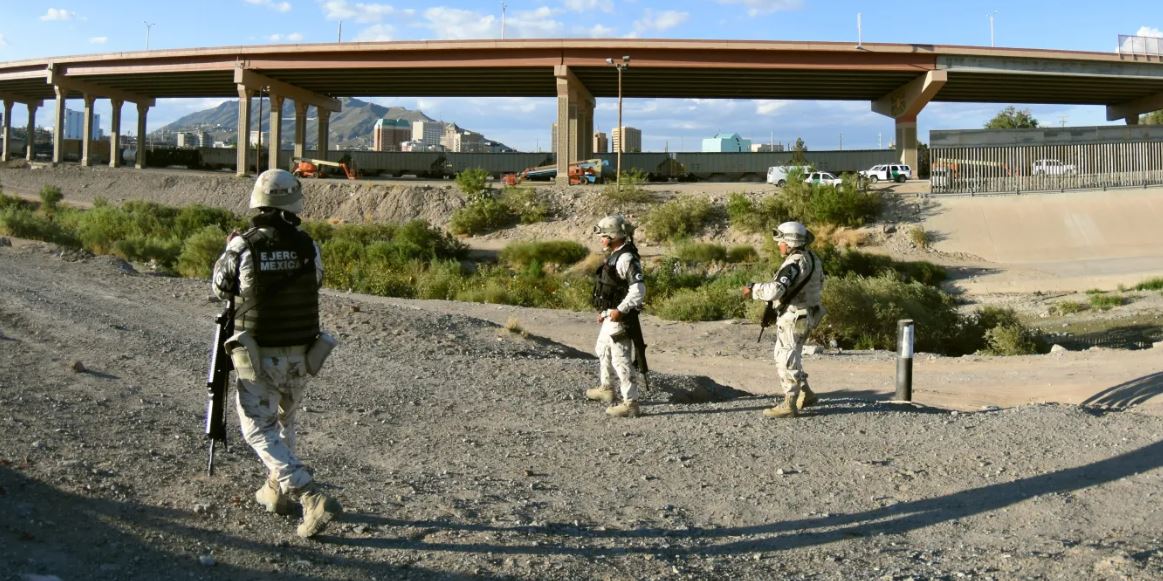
(905, 332)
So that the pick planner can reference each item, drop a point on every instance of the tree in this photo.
(1012, 118)
(1152, 118)
(797, 155)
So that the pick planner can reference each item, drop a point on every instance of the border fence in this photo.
(1051, 159)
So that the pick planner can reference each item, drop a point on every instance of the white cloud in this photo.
(659, 22)
(1149, 31)
(376, 33)
(599, 31)
(461, 24)
(359, 11)
(769, 107)
(292, 37)
(757, 7)
(58, 14)
(589, 5)
(98, 39)
(539, 23)
(3, 43)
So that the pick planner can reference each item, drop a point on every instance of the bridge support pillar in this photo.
(1132, 119)
(275, 129)
(242, 141)
(323, 129)
(575, 122)
(87, 132)
(115, 134)
(58, 134)
(300, 127)
(30, 137)
(906, 141)
(142, 137)
(7, 130)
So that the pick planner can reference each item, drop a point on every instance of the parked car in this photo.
(896, 172)
(1052, 167)
(778, 174)
(822, 178)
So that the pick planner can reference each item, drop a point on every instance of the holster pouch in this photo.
(243, 350)
(318, 351)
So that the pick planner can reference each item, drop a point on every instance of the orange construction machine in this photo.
(317, 168)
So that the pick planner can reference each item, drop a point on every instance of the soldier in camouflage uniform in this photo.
(619, 294)
(795, 293)
(275, 270)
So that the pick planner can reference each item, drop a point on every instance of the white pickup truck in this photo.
(1052, 167)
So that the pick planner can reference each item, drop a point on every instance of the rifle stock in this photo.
(217, 379)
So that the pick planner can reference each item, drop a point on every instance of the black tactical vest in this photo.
(609, 288)
(285, 310)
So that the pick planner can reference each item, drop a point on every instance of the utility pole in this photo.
(991, 15)
(148, 25)
(859, 32)
(620, 65)
(339, 38)
(503, 6)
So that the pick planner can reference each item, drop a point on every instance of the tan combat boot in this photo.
(602, 393)
(626, 409)
(271, 497)
(787, 409)
(318, 510)
(807, 398)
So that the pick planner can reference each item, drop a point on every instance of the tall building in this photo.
(187, 139)
(75, 125)
(388, 134)
(601, 142)
(726, 143)
(428, 133)
(633, 142)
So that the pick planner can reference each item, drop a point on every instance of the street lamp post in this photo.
(620, 65)
(148, 25)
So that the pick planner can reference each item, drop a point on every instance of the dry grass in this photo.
(840, 236)
(513, 326)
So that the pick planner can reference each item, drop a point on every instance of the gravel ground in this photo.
(460, 450)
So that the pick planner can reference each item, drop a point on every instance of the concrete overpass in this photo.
(897, 79)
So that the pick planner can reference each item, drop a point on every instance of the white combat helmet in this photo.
(794, 234)
(277, 188)
(614, 226)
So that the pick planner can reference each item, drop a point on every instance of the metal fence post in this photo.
(905, 333)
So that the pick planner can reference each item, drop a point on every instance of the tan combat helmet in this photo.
(794, 234)
(277, 188)
(614, 226)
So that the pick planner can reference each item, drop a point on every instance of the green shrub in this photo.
(630, 191)
(200, 251)
(742, 253)
(1150, 284)
(759, 218)
(22, 222)
(442, 280)
(839, 262)
(1068, 308)
(7, 202)
(526, 204)
(365, 234)
(342, 261)
(679, 218)
(865, 310)
(163, 251)
(1012, 339)
(920, 237)
(50, 199)
(193, 219)
(699, 252)
(320, 232)
(1105, 302)
(473, 181)
(482, 214)
(559, 252)
(720, 299)
(417, 239)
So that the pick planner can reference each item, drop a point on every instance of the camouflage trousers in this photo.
(266, 413)
(791, 332)
(614, 350)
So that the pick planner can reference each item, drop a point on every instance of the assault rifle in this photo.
(769, 315)
(217, 379)
(634, 328)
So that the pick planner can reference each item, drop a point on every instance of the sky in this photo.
(32, 29)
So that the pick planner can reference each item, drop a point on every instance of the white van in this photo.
(896, 172)
(777, 174)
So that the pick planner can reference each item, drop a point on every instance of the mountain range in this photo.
(351, 127)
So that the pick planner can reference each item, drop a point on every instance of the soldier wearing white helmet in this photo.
(794, 294)
(275, 271)
(619, 294)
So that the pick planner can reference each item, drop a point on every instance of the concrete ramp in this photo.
(1066, 241)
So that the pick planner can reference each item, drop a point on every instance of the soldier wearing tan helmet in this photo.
(794, 293)
(619, 294)
(275, 271)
